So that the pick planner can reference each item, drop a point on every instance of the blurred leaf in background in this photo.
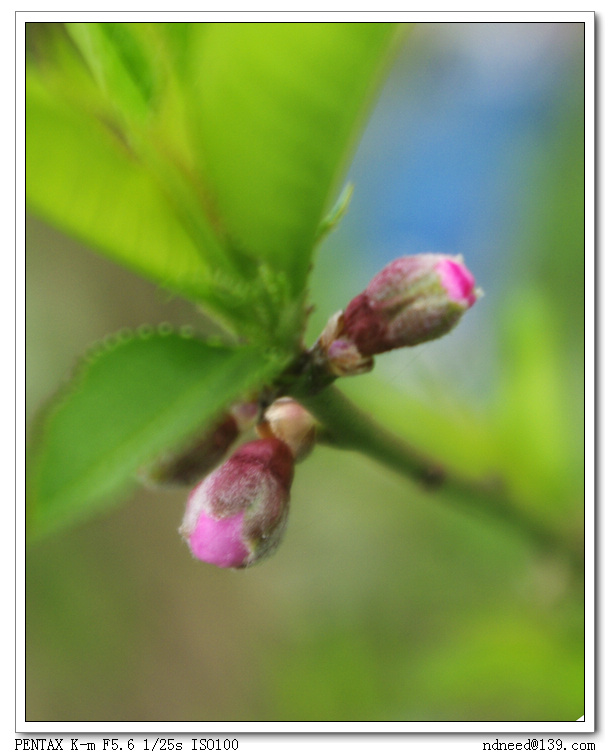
(383, 604)
(191, 153)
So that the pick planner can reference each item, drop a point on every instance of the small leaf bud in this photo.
(201, 454)
(336, 355)
(237, 515)
(345, 359)
(288, 421)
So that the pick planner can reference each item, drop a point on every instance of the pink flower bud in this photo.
(412, 300)
(291, 423)
(237, 515)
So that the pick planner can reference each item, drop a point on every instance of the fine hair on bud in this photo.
(414, 299)
(237, 515)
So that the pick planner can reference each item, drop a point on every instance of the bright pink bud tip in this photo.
(458, 281)
(218, 541)
(412, 300)
(238, 513)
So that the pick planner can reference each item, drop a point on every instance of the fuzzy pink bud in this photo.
(412, 300)
(237, 515)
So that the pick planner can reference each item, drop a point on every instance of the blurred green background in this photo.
(384, 603)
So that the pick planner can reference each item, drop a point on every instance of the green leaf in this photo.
(129, 401)
(83, 178)
(278, 108)
(119, 62)
(203, 156)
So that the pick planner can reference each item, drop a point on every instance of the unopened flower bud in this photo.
(412, 300)
(237, 515)
(288, 421)
(201, 454)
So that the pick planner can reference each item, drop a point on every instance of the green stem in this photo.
(345, 426)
